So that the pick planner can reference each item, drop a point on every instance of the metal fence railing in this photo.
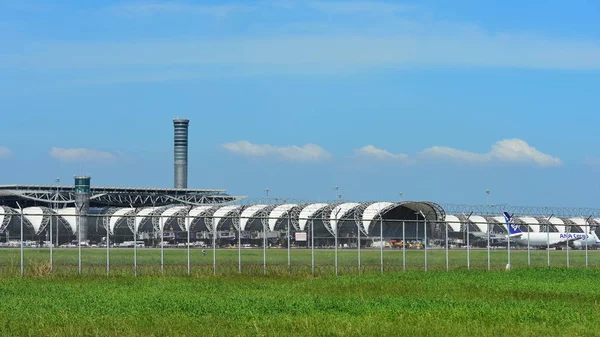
(184, 245)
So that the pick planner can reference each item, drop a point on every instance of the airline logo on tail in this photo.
(510, 223)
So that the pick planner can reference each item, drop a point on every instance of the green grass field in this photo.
(527, 301)
(149, 261)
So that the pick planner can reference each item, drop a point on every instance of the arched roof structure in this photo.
(479, 222)
(277, 213)
(580, 222)
(340, 212)
(36, 217)
(453, 223)
(194, 215)
(68, 214)
(249, 213)
(372, 212)
(223, 213)
(142, 216)
(308, 212)
(533, 223)
(166, 215)
(559, 224)
(118, 216)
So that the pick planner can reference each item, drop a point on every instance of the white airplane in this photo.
(557, 240)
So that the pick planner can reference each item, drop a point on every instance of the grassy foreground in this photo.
(524, 302)
(149, 261)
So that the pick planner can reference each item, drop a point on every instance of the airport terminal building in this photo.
(87, 213)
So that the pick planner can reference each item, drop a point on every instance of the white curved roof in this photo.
(338, 212)
(559, 224)
(221, 212)
(193, 213)
(308, 212)
(249, 213)
(532, 222)
(117, 216)
(141, 215)
(453, 222)
(278, 212)
(68, 214)
(580, 222)
(166, 214)
(479, 222)
(501, 221)
(371, 212)
(35, 216)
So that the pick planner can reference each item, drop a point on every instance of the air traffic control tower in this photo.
(82, 204)
(181, 152)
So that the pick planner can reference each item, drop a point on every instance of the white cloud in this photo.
(4, 152)
(81, 155)
(507, 150)
(306, 153)
(382, 154)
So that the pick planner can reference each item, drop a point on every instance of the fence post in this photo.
(214, 228)
(358, 246)
(108, 247)
(447, 259)
(51, 244)
(568, 255)
(161, 223)
(381, 242)
(289, 256)
(528, 245)
(425, 231)
(468, 244)
(189, 262)
(22, 254)
(489, 262)
(403, 245)
(239, 247)
(312, 246)
(264, 249)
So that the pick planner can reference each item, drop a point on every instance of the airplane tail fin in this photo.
(513, 228)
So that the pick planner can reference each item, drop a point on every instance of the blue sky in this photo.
(438, 100)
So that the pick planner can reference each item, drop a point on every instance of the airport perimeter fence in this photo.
(281, 247)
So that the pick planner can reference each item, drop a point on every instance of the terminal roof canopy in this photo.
(109, 196)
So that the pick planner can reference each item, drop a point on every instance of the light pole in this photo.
(400, 194)
(57, 180)
(336, 188)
